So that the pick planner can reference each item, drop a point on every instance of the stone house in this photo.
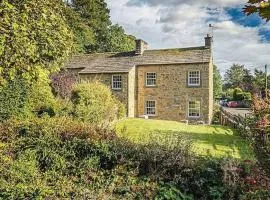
(167, 84)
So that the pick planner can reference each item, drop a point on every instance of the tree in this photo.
(261, 7)
(84, 36)
(90, 22)
(258, 82)
(34, 39)
(115, 40)
(217, 83)
(34, 42)
(234, 76)
(247, 81)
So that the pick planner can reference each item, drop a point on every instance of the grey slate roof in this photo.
(123, 62)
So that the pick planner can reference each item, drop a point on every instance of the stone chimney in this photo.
(141, 46)
(208, 41)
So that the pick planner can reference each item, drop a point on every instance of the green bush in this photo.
(94, 103)
(239, 95)
(41, 99)
(20, 99)
(62, 158)
(171, 192)
(258, 195)
(13, 99)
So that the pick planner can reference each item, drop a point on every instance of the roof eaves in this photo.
(175, 63)
(101, 72)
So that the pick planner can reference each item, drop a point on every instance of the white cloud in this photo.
(172, 3)
(182, 23)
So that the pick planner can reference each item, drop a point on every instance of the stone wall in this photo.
(172, 92)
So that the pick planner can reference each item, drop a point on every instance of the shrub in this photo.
(41, 99)
(13, 99)
(21, 99)
(171, 192)
(216, 114)
(62, 158)
(94, 103)
(237, 94)
(155, 159)
(62, 83)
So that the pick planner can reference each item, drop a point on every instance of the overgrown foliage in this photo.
(34, 39)
(261, 7)
(13, 99)
(217, 83)
(258, 130)
(93, 102)
(90, 22)
(62, 83)
(61, 158)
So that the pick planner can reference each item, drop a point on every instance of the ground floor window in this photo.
(116, 82)
(194, 108)
(150, 108)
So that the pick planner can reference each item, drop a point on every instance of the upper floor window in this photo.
(150, 108)
(151, 78)
(116, 82)
(194, 109)
(194, 78)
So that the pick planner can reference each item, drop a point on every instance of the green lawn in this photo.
(217, 141)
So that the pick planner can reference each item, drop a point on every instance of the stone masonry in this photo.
(171, 93)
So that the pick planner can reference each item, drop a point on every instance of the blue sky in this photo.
(182, 23)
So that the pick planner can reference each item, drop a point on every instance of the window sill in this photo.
(117, 89)
(190, 117)
(151, 115)
(150, 86)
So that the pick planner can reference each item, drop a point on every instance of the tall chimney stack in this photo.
(208, 41)
(141, 46)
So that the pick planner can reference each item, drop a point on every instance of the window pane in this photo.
(194, 78)
(194, 109)
(151, 79)
(150, 107)
(116, 82)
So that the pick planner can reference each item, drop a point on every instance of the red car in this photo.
(232, 104)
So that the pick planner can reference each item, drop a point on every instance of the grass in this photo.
(217, 141)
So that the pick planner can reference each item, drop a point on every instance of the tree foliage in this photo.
(217, 83)
(84, 36)
(13, 99)
(115, 40)
(234, 76)
(34, 37)
(90, 22)
(261, 7)
(259, 81)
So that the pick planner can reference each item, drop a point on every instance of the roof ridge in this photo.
(184, 48)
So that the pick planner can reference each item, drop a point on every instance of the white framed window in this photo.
(151, 79)
(194, 78)
(194, 109)
(150, 108)
(116, 82)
